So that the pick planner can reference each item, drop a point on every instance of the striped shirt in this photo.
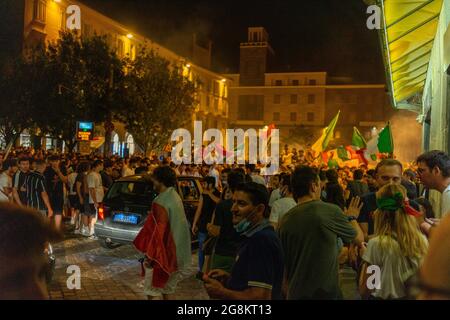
(18, 182)
(35, 185)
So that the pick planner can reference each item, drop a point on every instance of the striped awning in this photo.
(407, 37)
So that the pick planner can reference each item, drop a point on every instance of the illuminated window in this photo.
(40, 10)
(120, 48)
(130, 144)
(132, 52)
(116, 144)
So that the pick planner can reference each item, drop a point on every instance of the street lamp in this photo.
(130, 36)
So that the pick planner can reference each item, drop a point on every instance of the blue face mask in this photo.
(243, 225)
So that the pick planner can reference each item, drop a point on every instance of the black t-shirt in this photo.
(259, 263)
(107, 180)
(35, 185)
(19, 182)
(55, 186)
(369, 206)
(228, 240)
(207, 210)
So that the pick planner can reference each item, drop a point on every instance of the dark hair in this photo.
(257, 193)
(210, 180)
(429, 213)
(250, 166)
(286, 181)
(226, 170)
(108, 164)
(322, 175)
(97, 163)
(388, 163)
(140, 170)
(23, 232)
(332, 176)
(234, 178)
(358, 174)
(166, 175)
(371, 172)
(23, 159)
(302, 180)
(410, 173)
(53, 157)
(9, 163)
(83, 166)
(438, 159)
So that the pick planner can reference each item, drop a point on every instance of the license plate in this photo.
(125, 218)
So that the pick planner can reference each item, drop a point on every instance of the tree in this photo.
(159, 98)
(79, 72)
(22, 85)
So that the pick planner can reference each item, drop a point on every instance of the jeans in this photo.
(201, 256)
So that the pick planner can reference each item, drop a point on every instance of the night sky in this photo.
(307, 35)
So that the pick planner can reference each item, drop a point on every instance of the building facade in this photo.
(301, 104)
(43, 20)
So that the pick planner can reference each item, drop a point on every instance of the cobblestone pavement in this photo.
(107, 274)
(114, 274)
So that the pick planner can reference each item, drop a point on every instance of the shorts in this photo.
(57, 206)
(89, 210)
(74, 202)
(170, 287)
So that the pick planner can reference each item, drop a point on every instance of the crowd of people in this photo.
(283, 236)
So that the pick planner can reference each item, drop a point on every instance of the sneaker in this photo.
(91, 232)
(93, 237)
(85, 231)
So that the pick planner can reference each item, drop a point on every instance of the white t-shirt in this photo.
(71, 178)
(214, 173)
(5, 182)
(445, 202)
(94, 180)
(394, 266)
(280, 207)
(274, 196)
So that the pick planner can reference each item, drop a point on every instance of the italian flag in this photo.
(382, 142)
(165, 238)
(327, 134)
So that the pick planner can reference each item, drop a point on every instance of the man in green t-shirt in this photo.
(309, 235)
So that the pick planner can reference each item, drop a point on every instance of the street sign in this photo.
(84, 147)
(85, 131)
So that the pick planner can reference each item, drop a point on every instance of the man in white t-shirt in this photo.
(434, 173)
(96, 193)
(281, 206)
(10, 169)
(213, 172)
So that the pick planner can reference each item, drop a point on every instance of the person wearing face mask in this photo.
(283, 205)
(257, 273)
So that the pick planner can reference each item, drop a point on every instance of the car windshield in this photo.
(138, 192)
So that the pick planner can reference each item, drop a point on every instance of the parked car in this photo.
(127, 204)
